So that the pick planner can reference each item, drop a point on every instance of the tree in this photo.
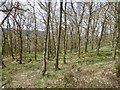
(35, 27)
(114, 38)
(28, 34)
(93, 27)
(45, 41)
(88, 27)
(11, 41)
(53, 34)
(118, 42)
(64, 61)
(49, 44)
(100, 38)
(102, 31)
(71, 33)
(35, 32)
(1, 57)
(20, 35)
(77, 24)
(19, 23)
(58, 44)
(7, 11)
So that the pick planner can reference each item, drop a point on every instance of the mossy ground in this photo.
(88, 71)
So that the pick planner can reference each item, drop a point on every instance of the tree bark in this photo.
(99, 41)
(45, 41)
(49, 45)
(64, 59)
(58, 44)
(19, 37)
(93, 31)
(35, 34)
(11, 41)
(77, 26)
(118, 41)
(79, 39)
(71, 33)
(2, 49)
(21, 48)
(53, 40)
(114, 36)
(87, 31)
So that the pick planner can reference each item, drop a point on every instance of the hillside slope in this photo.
(90, 71)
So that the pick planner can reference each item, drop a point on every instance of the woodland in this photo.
(59, 44)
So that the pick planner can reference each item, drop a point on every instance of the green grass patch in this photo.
(33, 69)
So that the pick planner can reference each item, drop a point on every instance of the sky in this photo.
(25, 1)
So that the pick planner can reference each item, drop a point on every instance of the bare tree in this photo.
(64, 61)
(35, 27)
(58, 44)
(52, 29)
(88, 27)
(77, 24)
(45, 41)
(11, 41)
(102, 31)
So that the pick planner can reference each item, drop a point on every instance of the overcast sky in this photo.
(25, 1)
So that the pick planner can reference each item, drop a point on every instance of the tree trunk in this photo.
(58, 44)
(11, 41)
(74, 37)
(99, 41)
(92, 41)
(87, 31)
(114, 40)
(3, 42)
(2, 49)
(64, 61)
(79, 37)
(1, 60)
(53, 40)
(93, 33)
(71, 33)
(118, 41)
(21, 48)
(15, 41)
(114, 36)
(49, 45)
(77, 26)
(27, 40)
(35, 35)
(45, 41)
(29, 46)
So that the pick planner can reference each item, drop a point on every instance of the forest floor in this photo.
(89, 71)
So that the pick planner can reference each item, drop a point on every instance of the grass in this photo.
(0, 75)
(90, 71)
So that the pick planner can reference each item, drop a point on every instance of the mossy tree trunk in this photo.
(104, 24)
(118, 40)
(100, 38)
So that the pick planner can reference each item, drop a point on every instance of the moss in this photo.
(59, 78)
